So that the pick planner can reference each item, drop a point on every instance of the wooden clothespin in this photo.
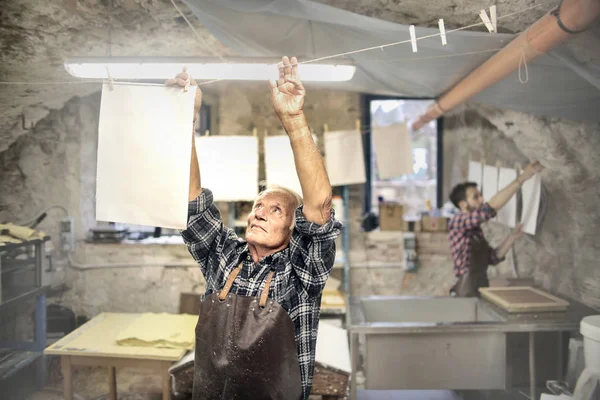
(110, 79)
(442, 31)
(325, 128)
(207, 133)
(517, 168)
(498, 164)
(187, 83)
(413, 38)
(255, 132)
(357, 122)
(494, 18)
(483, 161)
(486, 20)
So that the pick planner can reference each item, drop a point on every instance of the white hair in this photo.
(294, 199)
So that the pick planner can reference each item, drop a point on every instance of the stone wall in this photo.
(54, 163)
(563, 254)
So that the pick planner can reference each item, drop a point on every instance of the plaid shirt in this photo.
(462, 229)
(301, 269)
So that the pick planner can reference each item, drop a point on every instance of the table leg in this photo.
(532, 381)
(67, 377)
(112, 383)
(166, 381)
(561, 359)
(354, 365)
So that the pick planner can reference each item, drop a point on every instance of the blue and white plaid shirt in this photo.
(301, 269)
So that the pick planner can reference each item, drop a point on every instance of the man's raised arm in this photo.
(182, 79)
(287, 95)
(504, 195)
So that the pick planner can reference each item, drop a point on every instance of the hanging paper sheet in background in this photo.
(531, 191)
(344, 158)
(144, 152)
(476, 173)
(279, 163)
(393, 151)
(229, 166)
(507, 215)
(490, 182)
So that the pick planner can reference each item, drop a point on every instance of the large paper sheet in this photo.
(332, 347)
(393, 151)
(144, 151)
(507, 215)
(475, 173)
(279, 163)
(531, 191)
(344, 158)
(490, 182)
(229, 166)
(160, 330)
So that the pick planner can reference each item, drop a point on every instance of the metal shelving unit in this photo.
(17, 354)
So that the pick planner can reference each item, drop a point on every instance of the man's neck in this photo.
(259, 252)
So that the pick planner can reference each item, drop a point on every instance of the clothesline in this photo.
(338, 55)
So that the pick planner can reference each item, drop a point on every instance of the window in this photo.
(424, 184)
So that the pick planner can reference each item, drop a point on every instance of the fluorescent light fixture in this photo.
(128, 68)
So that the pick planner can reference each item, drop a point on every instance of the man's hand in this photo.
(532, 169)
(287, 93)
(182, 79)
(517, 232)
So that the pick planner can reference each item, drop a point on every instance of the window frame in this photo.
(366, 100)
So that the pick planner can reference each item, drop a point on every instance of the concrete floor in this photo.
(91, 383)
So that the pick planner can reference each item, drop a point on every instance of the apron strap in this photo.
(265, 292)
(227, 287)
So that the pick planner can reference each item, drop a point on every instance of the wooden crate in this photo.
(517, 299)
(329, 382)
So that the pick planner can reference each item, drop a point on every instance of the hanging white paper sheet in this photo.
(476, 173)
(144, 152)
(393, 151)
(531, 191)
(332, 347)
(490, 182)
(507, 215)
(279, 163)
(344, 158)
(229, 166)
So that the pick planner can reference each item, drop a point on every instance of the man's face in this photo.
(474, 199)
(269, 223)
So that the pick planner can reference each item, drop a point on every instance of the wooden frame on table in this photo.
(493, 294)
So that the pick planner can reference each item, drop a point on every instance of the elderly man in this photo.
(257, 328)
(471, 253)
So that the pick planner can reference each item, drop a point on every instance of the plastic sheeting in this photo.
(558, 85)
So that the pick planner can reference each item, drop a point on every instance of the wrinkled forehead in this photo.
(275, 197)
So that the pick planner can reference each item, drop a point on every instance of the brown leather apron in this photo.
(476, 277)
(245, 348)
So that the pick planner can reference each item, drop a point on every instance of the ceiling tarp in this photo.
(558, 85)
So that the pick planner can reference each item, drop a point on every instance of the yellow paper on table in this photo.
(171, 331)
(22, 232)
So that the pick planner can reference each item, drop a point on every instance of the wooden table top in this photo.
(97, 338)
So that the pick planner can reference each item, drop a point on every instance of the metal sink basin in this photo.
(428, 343)
(413, 310)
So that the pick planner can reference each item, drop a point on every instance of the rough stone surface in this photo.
(50, 159)
(562, 255)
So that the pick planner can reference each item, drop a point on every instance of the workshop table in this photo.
(95, 344)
